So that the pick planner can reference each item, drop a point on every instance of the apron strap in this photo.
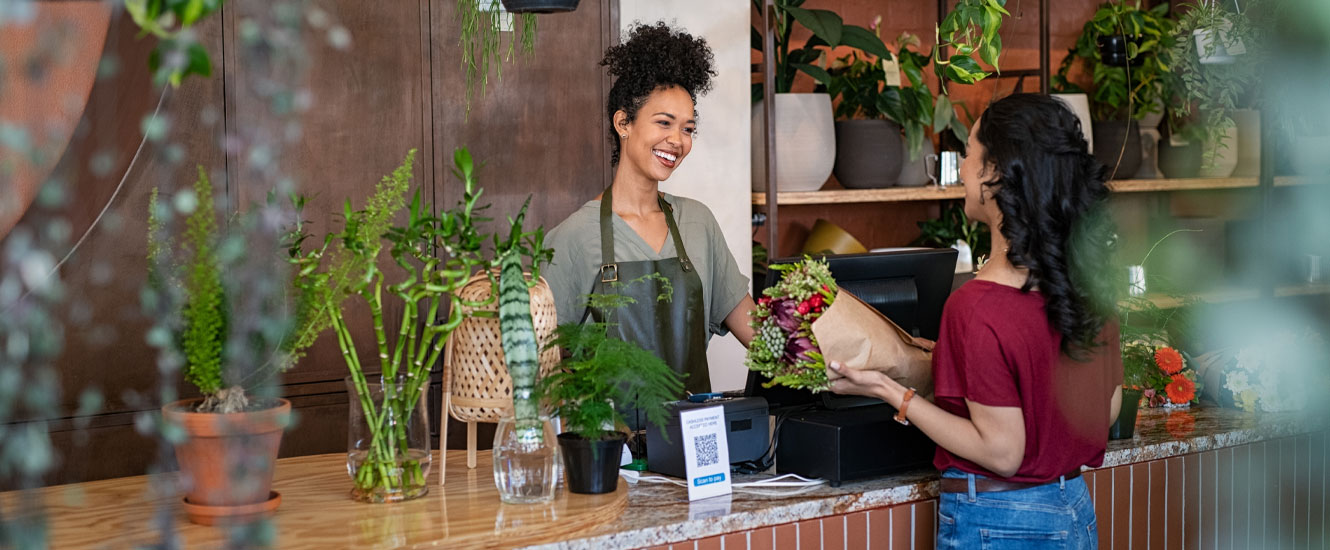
(609, 270)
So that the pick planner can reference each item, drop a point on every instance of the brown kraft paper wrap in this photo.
(857, 336)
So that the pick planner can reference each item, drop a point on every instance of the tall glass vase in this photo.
(526, 469)
(387, 449)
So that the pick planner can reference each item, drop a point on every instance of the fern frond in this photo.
(204, 314)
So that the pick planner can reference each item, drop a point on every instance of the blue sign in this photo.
(708, 480)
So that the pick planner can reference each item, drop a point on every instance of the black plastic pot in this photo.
(539, 6)
(1113, 51)
(1180, 161)
(868, 153)
(1108, 145)
(1125, 426)
(591, 467)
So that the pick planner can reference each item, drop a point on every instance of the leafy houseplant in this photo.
(391, 461)
(234, 430)
(953, 225)
(481, 23)
(1212, 90)
(970, 27)
(1125, 48)
(1122, 90)
(804, 131)
(178, 54)
(866, 92)
(598, 374)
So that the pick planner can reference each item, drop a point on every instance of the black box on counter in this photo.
(746, 433)
(848, 444)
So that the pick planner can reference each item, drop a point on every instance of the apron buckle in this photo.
(609, 273)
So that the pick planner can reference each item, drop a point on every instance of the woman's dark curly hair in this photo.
(1052, 194)
(654, 56)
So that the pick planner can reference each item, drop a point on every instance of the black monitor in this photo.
(908, 286)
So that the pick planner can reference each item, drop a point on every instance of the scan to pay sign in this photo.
(706, 453)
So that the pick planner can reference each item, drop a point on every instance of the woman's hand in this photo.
(924, 343)
(865, 382)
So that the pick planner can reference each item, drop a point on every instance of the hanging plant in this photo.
(1212, 89)
(482, 23)
(539, 6)
(178, 53)
(971, 27)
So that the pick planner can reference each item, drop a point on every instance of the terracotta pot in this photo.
(228, 459)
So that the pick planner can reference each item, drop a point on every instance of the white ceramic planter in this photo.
(1226, 157)
(1249, 143)
(805, 142)
(1080, 104)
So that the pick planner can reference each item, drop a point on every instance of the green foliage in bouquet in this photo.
(784, 348)
(600, 372)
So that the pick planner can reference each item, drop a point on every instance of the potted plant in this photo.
(805, 135)
(1212, 85)
(233, 431)
(970, 28)
(525, 456)
(1124, 49)
(953, 228)
(598, 375)
(388, 449)
(873, 110)
(482, 23)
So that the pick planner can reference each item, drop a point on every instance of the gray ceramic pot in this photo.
(1109, 142)
(868, 153)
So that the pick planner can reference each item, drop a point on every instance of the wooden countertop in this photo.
(317, 512)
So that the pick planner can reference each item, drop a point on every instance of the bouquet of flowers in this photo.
(805, 321)
(784, 347)
(1159, 372)
(1278, 374)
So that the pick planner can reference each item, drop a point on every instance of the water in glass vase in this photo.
(525, 472)
(389, 481)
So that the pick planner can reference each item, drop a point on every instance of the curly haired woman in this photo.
(1026, 369)
(632, 229)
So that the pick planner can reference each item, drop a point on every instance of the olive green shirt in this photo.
(576, 264)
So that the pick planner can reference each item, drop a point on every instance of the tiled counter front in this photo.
(1204, 478)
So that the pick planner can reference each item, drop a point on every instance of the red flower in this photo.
(1180, 423)
(1180, 390)
(1169, 360)
(765, 300)
(804, 308)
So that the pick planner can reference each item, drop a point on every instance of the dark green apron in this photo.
(676, 330)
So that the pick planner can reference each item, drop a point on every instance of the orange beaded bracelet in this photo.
(905, 403)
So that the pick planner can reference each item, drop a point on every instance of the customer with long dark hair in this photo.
(1026, 368)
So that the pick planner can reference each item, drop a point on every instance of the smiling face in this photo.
(660, 137)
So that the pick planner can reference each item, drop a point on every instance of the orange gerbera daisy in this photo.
(1180, 390)
(1169, 360)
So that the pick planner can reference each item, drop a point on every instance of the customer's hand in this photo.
(848, 381)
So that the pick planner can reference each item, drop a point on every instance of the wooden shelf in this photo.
(933, 192)
(1223, 295)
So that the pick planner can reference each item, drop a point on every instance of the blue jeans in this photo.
(1055, 515)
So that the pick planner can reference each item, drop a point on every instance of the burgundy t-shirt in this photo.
(997, 348)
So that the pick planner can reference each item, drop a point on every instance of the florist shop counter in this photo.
(1193, 478)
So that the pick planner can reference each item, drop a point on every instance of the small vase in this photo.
(525, 472)
(387, 449)
(1125, 426)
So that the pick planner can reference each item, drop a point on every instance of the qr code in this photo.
(707, 452)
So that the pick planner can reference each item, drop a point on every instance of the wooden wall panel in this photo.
(541, 129)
